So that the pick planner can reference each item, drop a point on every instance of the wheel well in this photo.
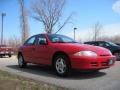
(60, 53)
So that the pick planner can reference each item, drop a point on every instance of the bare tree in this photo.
(114, 39)
(97, 31)
(24, 21)
(49, 13)
(117, 38)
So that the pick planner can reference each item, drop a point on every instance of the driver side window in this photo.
(41, 40)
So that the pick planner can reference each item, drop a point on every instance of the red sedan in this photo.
(64, 54)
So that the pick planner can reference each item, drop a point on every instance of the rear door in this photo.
(28, 49)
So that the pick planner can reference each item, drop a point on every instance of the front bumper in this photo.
(91, 63)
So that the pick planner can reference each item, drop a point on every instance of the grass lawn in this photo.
(15, 82)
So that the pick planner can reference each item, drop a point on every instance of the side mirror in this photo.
(43, 42)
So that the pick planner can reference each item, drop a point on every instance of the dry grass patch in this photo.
(15, 82)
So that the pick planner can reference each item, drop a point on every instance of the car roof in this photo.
(45, 34)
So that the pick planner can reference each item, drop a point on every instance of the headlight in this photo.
(85, 53)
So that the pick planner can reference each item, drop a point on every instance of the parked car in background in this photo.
(6, 51)
(118, 44)
(114, 48)
(63, 54)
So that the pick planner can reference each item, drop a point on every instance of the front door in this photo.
(41, 50)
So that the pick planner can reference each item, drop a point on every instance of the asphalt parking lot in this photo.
(107, 79)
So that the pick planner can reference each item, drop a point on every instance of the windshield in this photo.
(55, 38)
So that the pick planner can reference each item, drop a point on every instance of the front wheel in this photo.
(62, 65)
(21, 61)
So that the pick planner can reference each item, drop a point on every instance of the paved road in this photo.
(108, 79)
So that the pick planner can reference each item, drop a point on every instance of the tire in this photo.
(9, 55)
(62, 65)
(21, 61)
(0, 56)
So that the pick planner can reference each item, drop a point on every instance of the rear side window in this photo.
(103, 44)
(95, 43)
(30, 41)
(92, 43)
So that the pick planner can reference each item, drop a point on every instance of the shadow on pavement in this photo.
(48, 72)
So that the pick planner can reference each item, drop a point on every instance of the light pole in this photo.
(3, 14)
(74, 32)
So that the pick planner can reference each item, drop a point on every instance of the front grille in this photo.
(94, 64)
(104, 64)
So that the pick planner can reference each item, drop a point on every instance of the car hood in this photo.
(85, 47)
(97, 49)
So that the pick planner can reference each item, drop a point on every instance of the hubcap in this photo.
(20, 61)
(60, 65)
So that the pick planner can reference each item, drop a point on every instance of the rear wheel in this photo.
(9, 55)
(21, 61)
(0, 56)
(62, 65)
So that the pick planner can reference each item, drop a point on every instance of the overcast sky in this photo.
(85, 14)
